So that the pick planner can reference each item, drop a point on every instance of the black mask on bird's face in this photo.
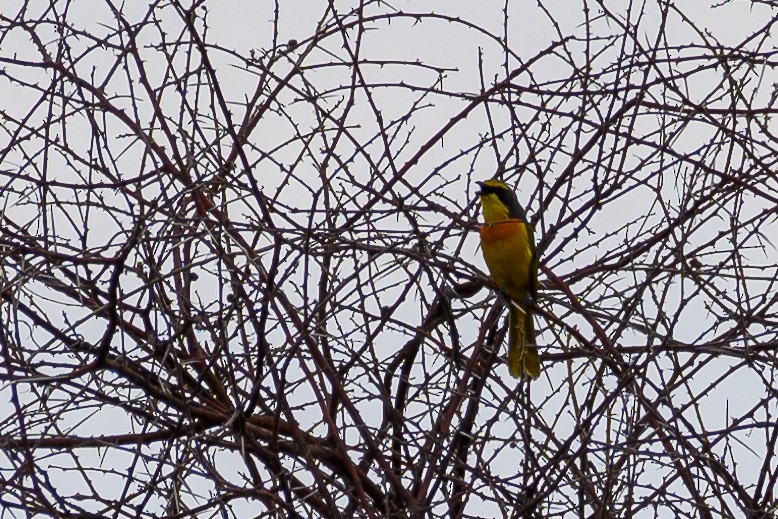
(505, 195)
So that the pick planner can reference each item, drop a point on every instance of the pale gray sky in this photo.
(448, 46)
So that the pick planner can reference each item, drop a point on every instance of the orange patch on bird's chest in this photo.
(508, 255)
(508, 230)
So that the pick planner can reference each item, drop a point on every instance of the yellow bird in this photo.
(508, 245)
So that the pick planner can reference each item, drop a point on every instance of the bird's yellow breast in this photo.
(507, 252)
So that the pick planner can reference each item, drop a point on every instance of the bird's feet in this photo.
(506, 297)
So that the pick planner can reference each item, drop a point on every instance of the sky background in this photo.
(422, 70)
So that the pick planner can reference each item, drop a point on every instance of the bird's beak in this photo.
(481, 185)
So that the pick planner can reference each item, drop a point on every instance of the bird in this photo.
(508, 246)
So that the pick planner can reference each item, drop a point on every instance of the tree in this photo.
(240, 265)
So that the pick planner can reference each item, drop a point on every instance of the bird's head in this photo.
(499, 202)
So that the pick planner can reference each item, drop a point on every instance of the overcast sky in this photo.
(424, 72)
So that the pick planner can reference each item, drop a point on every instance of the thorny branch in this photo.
(244, 278)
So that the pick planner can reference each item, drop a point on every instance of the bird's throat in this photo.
(493, 208)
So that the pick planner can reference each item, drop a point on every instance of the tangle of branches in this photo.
(240, 275)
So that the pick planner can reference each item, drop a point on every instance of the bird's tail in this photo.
(522, 348)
